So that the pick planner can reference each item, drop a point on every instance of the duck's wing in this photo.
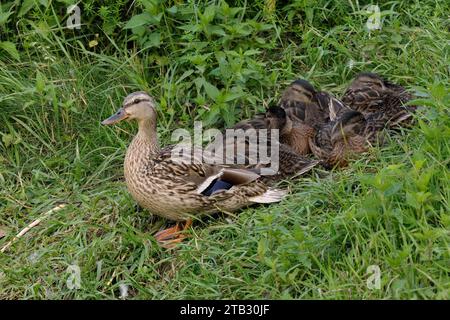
(331, 105)
(396, 110)
(321, 142)
(291, 164)
(240, 146)
(195, 173)
(265, 157)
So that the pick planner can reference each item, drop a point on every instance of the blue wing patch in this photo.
(216, 186)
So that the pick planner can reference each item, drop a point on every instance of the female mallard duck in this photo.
(178, 188)
(369, 93)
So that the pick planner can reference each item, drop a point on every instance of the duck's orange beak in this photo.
(118, 116)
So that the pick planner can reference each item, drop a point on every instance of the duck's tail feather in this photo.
(270, 196)
(306, 168)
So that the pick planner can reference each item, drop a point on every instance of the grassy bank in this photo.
(218, 64)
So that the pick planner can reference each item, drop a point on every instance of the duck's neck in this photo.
(144, 145)
(287, 127)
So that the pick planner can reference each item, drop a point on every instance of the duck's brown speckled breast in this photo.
(150, 191)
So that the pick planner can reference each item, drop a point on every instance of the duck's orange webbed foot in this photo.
(168, 238)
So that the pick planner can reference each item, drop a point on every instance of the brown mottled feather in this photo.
(339, 140)
(291, 161)
(369, 93)
(300, 99)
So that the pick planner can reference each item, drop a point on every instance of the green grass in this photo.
(390, 208)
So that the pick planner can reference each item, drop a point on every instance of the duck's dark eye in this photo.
(136, 101)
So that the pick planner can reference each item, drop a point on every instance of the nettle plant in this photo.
(21, 21)
(215, 52)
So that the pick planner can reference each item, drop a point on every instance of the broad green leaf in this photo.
(262, 248)
(172, 10)
(211, 90)
(26, 6)
(185, 75)
(4, 17)
(191, 28)
(40, 82)
(438, 91)
(216, 30)
(208, 15)
(137, 21)
(212, 116)
(445, 220)
(422, 102)
(154, 40)
(233, 96)
(227, 115)
(412, 201)
(142, 19)
(149, 5)
(393, 189)
(10, 48)
(251, 52)
(8, 139)
(199, 82)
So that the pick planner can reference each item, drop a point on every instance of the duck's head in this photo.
(370, 80)
(278, 119)
(299, 90)
(138, 106)
(348, 125)
(304, 86)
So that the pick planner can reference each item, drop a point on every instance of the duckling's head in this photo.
(138, 106)
(299, 90)
(369, 79)
(304, 86)
(276, 116)
(350, 124)
(351, 118)
(278, 119)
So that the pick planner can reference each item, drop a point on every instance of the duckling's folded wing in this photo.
(331, 105)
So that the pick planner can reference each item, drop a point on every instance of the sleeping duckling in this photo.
(369, 93)
(336, 142)
(301, 109)
(302, 100)
(293, 132)
(352, 133)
